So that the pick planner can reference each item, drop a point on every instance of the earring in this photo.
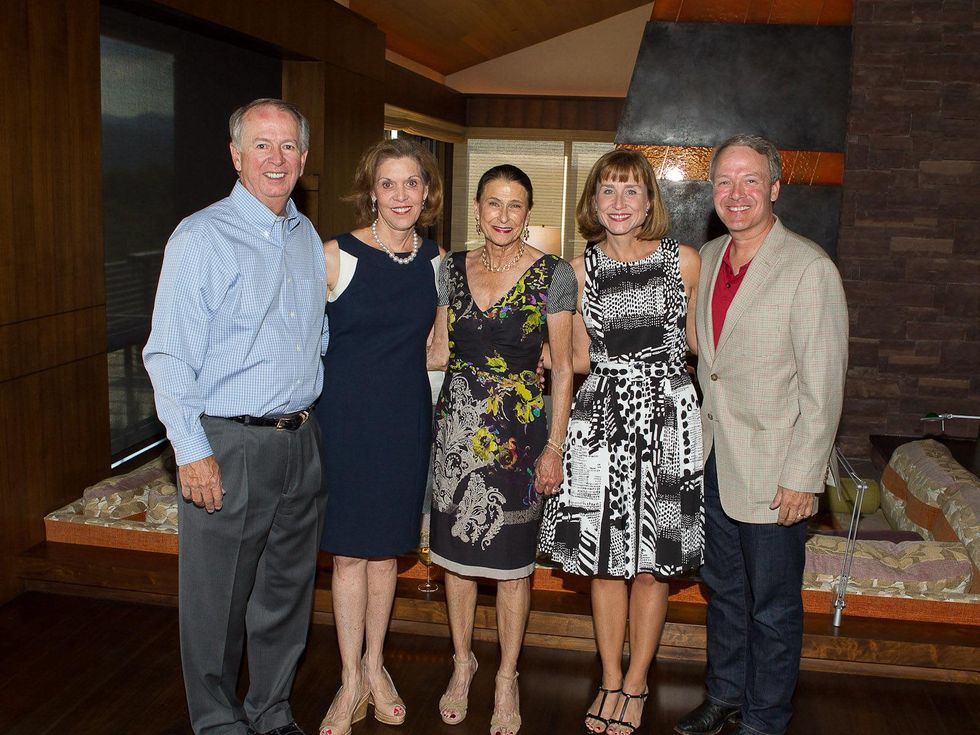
(374, 205)
(527, 232)
(423, 205)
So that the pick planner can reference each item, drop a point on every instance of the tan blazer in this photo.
(773, 388)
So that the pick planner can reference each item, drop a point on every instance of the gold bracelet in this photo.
(555, 447)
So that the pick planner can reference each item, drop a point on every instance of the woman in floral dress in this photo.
(493, 456)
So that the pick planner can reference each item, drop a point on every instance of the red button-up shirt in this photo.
(726, 287)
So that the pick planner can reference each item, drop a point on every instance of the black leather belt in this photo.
(286, 422)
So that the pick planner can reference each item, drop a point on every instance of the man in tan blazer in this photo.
(772, 344)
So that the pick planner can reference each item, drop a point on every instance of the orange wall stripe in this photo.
(669, 10)
(837, 13)
(786, 12)
(690, 163)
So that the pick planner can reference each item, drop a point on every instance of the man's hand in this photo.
(200, 482)
(793, 505)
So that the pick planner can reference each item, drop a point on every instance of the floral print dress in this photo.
(490, 423)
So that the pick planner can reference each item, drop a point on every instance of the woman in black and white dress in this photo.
(630, 512)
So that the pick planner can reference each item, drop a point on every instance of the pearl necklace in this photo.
(416, 244)
(485, 259)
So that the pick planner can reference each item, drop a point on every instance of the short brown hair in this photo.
(367, 170)
(762, 146)
(619, 165)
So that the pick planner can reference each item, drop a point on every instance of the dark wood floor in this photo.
(80, 666)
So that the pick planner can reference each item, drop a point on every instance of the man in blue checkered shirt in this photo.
(234, 356)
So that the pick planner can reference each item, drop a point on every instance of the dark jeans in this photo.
(753, 572)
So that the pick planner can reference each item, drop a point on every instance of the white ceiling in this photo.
(594, 61)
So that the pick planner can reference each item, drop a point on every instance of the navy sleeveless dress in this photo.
(375, 412)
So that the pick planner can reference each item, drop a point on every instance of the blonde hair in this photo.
(621, 165)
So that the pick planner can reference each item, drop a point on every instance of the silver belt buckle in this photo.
(283, 423)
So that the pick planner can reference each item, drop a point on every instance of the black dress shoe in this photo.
(707, 719)
(291, 729)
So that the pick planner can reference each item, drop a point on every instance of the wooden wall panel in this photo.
(16, 206)
(53, 438)
(54, 422)
(307, 28)
(34, 345)
(410, 91)
(354, 119)
(303, 83)
(550, 113)
(66, 160)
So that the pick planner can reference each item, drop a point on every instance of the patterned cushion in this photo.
(161, 504)
(129, 495)
(894, 510)
(114, 505)
(961, 509)
(910, 567)
(928, 469)
(161, 468)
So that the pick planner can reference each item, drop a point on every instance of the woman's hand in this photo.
(437, 345)
(548, 472)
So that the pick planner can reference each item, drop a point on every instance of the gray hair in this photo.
(237, 120)
(757, 143)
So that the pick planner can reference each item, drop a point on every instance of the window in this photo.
(164, 156)
(557, 169)
(583, 157)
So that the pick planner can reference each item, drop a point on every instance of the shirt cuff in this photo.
(191, 448)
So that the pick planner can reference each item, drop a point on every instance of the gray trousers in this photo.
(247, 571)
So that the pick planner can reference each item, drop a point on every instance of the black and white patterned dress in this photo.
(632, 499)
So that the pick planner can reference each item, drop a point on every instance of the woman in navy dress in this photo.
(375, 412)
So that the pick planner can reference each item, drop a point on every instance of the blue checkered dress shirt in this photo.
(238, 322)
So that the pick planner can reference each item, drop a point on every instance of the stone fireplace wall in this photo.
(909, 240)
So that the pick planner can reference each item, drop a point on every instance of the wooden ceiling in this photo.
(450, 35)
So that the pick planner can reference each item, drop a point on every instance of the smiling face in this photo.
(398, 193)
(621, 206)
(742, 192)
(502, 211)
(270, 160)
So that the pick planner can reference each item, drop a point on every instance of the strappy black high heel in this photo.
(599, 717)
(621, 721)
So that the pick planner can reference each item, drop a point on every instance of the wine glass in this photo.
(423, 554)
